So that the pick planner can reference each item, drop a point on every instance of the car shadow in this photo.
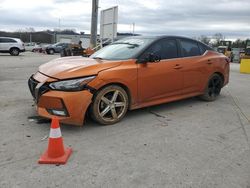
(157, 110)
(8, 55)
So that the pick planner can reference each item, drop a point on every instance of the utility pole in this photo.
(30, 37)
(94, 18)
(133, 29)
(59, 24)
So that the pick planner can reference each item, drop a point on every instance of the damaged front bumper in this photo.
(69, 107)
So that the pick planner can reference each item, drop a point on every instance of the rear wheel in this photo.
(14, 51)
(109, 105)
(213, 88)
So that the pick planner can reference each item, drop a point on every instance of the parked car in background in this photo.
(56, 48)
(131, 73)
(30, 46)
(38, 48)
(11, 45)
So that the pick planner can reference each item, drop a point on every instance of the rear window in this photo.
(203, 48)
(189, 48)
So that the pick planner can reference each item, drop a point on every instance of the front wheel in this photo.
(109, 105)
(14, 51)
(51, 51)
(213, 88)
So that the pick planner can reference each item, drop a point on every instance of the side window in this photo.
(3, 40)
(165, 49)
(155, 49)
(169, 50)
(189, 48)
(7, 40)
(12, 41)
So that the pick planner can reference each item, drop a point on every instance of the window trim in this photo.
(177, 39)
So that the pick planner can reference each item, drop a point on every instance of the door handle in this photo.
(177, 66)
(209, 62)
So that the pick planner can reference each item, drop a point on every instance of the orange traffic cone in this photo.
(55, 154)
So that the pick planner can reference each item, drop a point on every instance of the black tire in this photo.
(14, 51)
(51, 51)
(213, 88)
(63, 53)
(110, 105)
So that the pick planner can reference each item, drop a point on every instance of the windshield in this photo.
(122, 49)
(56, 44)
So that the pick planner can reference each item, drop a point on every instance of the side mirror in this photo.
(150, 57)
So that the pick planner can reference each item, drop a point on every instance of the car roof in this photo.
(160, 36)
(168, 36)
(165, 36)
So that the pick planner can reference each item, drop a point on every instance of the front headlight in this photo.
(71, 85)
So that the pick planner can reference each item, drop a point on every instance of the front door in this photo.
(157, 80)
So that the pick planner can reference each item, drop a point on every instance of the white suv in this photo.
(11, 45)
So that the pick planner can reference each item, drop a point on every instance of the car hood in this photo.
(71, 67)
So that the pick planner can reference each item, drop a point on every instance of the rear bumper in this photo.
(71, 105)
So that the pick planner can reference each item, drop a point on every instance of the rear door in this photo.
(196, 66)
(161, 79)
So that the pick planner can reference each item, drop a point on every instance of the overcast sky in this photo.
(151, 17)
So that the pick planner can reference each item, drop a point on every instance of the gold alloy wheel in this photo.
(110, 105)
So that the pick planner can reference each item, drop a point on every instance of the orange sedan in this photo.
(131, 73)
